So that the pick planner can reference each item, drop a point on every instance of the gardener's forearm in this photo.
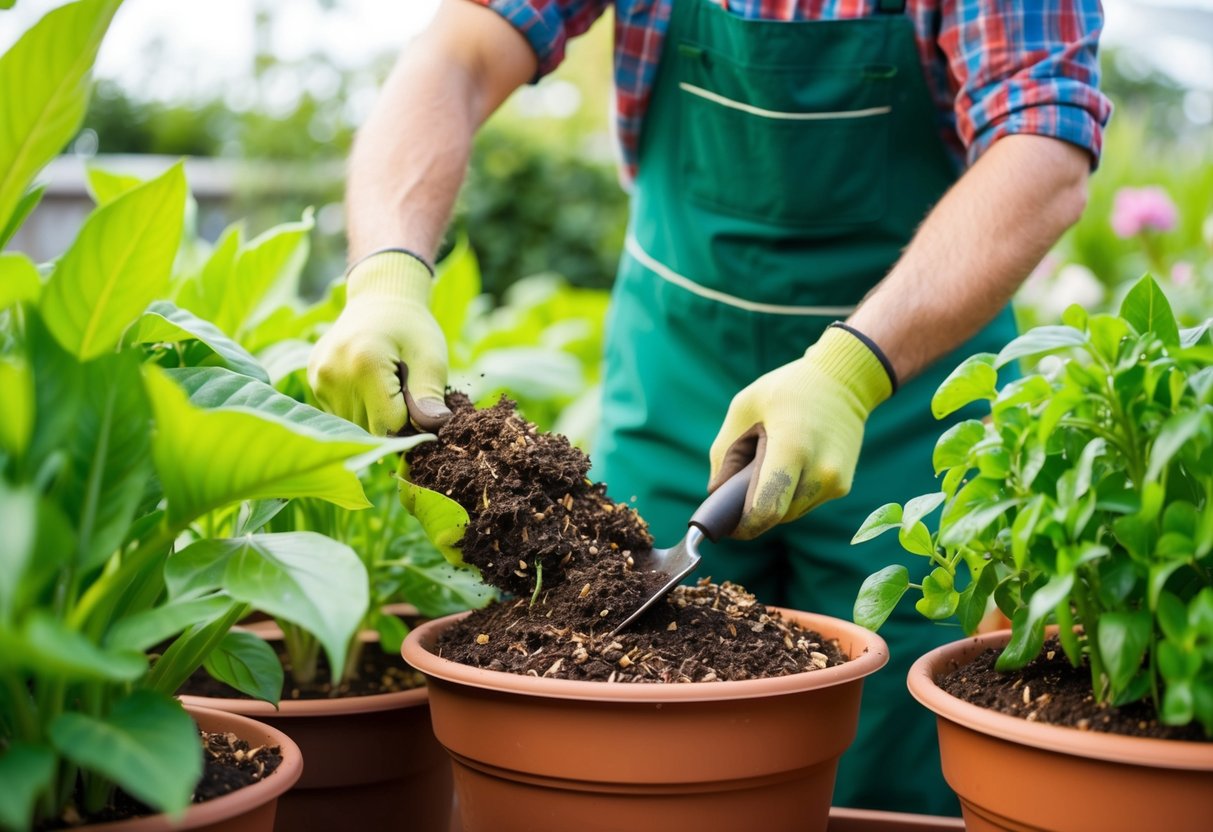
(974, 249)
(410, 156)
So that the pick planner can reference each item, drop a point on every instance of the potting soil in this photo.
(1049, 689)
(571, 562)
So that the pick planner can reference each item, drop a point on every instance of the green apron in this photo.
(783, 167)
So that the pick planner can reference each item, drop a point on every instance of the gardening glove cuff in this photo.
(803, 422)
(383, 363)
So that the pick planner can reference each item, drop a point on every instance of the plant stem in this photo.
(109, 583)
(538, 580)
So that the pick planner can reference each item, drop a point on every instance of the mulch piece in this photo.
(378, 672)
(573, 560)
(1049, 689)
(229, 764)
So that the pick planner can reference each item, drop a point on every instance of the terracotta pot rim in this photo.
(870, 654)
(337, 706)
(228, 806)
(1144, 751)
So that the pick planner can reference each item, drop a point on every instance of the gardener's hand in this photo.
(803, 422)
(384, 363)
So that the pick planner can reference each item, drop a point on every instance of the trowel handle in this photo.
(718, 515)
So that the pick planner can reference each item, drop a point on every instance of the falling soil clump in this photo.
(1050, 690)
(573, 560)
(229, 763)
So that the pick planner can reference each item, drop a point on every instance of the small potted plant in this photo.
(365, 729)
(1083, 507)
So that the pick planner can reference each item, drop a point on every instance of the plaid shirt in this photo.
(993, 68)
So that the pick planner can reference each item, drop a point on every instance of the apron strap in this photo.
(891, 6)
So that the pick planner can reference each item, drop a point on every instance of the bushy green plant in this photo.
(130, 428)
(1084, 500)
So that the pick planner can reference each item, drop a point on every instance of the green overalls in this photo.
(783, 167)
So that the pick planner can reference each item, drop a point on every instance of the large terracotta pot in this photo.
(552, 755)
(1011, 774)
(372, 761)
(250, 809)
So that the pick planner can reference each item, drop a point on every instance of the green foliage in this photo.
(1085, 500)
(131, 427)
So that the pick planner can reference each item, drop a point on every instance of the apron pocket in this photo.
(794, 146)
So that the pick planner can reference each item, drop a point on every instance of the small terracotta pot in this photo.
(1011, 774)
(543, 755)
(372, 761)
(250, 809)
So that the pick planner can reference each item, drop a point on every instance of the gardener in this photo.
(869, 180)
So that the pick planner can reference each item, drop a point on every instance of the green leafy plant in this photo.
(130, 429)
(1085, 500)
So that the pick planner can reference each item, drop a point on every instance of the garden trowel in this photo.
(716, 517)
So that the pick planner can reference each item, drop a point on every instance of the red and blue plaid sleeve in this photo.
(1028, 67)
(548, 24)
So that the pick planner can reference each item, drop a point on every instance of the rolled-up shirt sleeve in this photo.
(548, 25)
(1025, 67)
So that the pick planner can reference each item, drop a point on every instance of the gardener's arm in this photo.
(411, 155)
(974, 249)
(384, 362)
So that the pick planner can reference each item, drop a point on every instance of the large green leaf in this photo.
(436, 587)
(147, 744)
(25, 206)
(106, 186)
(1177, 431)
(974, 380)
(302, 577)
(879, 596)
(953, 446)
(202, 293)
(118, 264)
(1041, 340)
(59, 382)
(44, 87)
(247, 663)
(110, 454)
(26, 770)
(150, 627)
(164, 322)
(1146, 309)
(1124, 636)
(443, 519)
(19, 280)
(207, 459)
(456, 285)
(48, 647)
(264, 273)
(17, 414)
(19, 520)
(881, 520)
(215, 387)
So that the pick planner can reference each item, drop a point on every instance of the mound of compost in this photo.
(571, 562)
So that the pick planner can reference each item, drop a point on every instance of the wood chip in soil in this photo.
(1051, 690)
(539, 529)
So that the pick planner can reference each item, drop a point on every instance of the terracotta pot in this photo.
(372, 761)
(250, 809)
(1018, 775)
(540, 754)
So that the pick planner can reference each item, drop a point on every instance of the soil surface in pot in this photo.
(229, 763)
(1049, 689)
(572, 560)
(378, 672)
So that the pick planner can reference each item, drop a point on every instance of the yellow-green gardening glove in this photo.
(803, 422)
(384, 362)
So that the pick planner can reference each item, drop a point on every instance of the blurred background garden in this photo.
(263, 99)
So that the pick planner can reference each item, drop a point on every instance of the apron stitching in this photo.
(632, 246)
(716, 98)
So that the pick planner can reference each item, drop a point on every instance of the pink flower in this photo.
(1142, 209)
(1182, 273)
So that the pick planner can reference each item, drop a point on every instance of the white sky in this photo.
(199, 47)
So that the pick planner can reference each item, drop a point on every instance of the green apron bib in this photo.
(783, 167)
